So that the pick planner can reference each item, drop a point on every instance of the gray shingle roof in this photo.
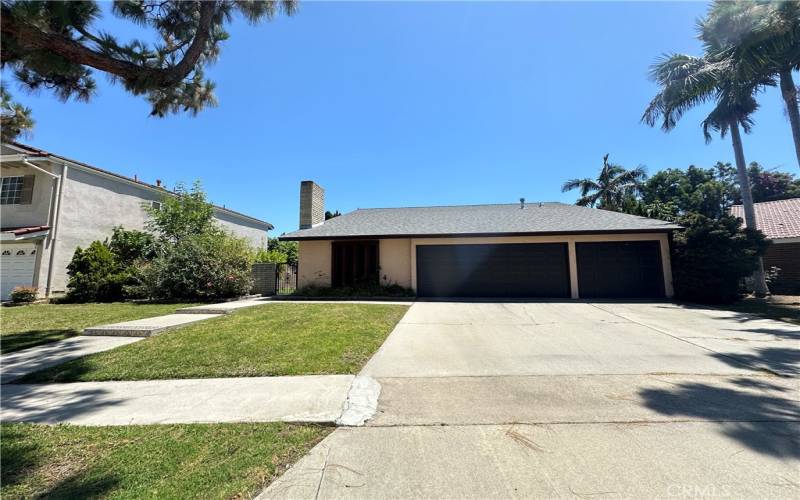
(475, 220)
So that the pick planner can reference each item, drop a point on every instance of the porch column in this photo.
(573, 270)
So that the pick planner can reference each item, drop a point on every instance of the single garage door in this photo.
(504, 270)
(17, 263)
(621, 269)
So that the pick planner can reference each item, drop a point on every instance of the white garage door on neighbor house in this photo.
(17, 263)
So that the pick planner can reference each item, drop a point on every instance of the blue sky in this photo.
(407, 104)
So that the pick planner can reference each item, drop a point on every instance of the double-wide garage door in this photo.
(605, 270)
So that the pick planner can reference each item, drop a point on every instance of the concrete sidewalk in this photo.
(635, 460)
(17, 364)
(316, 398)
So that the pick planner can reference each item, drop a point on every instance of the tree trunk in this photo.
(759, 281)
(789, 92)
(31, 37)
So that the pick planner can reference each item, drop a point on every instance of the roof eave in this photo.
(290, 237)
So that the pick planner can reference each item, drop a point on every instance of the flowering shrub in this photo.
(24, 294)
(203, 266)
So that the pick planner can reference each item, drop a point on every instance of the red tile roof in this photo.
(776, 219)
(19, 231)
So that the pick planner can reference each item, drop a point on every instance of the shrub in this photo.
(280, 252)
(393, 290)
(24, 294)
(95, 275)
(209, 265)
(130, 246)
(710, 258)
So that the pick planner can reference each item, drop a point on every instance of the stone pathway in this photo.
(147, 327)
(315, 398)
(17, 364)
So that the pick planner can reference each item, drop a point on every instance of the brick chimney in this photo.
(312, 204)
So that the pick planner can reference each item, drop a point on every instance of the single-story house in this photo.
(551, 250)
(780, 223)
(49, 205)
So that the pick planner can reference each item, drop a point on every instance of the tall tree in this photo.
(611, 188)
(15, 119)
(761, 39)
(687, 82)
(55, 45)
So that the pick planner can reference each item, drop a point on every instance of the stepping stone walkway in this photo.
(147, 327)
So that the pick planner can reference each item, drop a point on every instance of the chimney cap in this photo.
(522, 203)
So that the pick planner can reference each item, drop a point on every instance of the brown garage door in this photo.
(621, 269)
(505, 270)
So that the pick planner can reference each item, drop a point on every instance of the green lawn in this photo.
(268, 340)
(150, 461)
(27, 326)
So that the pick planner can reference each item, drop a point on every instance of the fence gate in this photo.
(285, 278)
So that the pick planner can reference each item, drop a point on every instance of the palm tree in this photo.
(687, 82)
(611, 188)
(761, 39)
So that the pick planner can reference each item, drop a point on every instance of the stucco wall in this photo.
(395, 262)
(242, 228)
(92, 204)
(34, 214)
(398, 256)
(314, 263)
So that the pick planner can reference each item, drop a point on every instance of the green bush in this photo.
(94, 275)
(130, 246)
(710, 258)
(24, 294)
(202, 266)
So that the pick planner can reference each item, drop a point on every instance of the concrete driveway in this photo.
(570, 400)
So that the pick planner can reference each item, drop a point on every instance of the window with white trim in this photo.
(11, 191)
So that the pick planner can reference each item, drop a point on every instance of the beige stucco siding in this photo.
(314, 263)
(395, 262)
(398, 256)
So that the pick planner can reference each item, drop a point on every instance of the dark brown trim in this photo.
(472, 235)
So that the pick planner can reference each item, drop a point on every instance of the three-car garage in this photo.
(606, 269)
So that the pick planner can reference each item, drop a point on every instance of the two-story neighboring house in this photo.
(49, 205)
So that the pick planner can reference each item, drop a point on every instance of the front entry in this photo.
(493, 270)
(355, 263)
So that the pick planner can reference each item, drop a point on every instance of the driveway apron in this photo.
(570, 399)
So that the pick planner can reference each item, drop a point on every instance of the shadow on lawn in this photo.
(32, 338)
(21, 459)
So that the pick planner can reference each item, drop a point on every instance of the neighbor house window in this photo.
(16, 190)
(12, 190)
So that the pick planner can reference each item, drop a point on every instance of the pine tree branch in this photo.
(31, 37)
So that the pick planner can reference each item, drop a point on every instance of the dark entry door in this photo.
(622, 269)
(503, 270)
(355, 263)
